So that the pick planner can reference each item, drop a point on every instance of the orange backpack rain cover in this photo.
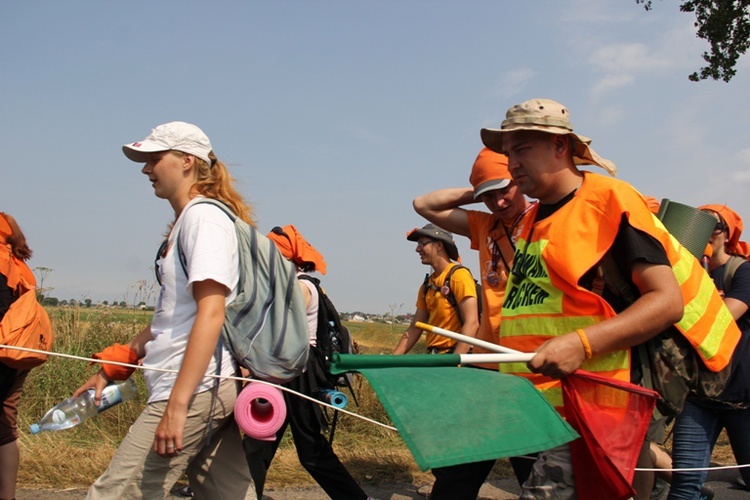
(25, 324)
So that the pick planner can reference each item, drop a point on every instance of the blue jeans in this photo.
(696, 430)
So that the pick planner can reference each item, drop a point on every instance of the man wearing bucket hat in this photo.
(493, 235)
(556, 304)
(437, 249)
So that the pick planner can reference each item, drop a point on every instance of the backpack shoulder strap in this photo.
(450, 296)
(610, 275)
(447, 284)
(426, 284)
(311, 279)
(217, 203)
(730, 268)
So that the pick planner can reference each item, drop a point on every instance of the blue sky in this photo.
(333, 116)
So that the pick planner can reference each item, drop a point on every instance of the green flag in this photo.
(448, 415)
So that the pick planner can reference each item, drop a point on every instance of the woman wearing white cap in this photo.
(187, 425)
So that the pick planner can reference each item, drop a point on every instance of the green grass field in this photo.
(75, 457)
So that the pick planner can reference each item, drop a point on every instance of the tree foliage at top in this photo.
(725, 24)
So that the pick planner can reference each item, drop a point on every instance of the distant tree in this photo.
(63, 302)
(105, 303)
(123, 304)
(394, 308)
(50, 301)
(725, 24)
(41, 273)
(88, 302)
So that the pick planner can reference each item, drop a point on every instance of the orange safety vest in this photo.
(553, 254)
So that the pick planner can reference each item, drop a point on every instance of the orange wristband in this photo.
(585, 342)
(121, 354)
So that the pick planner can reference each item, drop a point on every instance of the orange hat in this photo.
(490, 171)
(296, 248)
(5, 229)
(734, 226)
(653, 204)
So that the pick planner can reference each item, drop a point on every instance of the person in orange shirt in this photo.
(493, 234)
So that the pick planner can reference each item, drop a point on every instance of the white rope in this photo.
(165, 370)
(695, 469)
(639, 469)
(356, 415)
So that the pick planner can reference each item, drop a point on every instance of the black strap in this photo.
(160, 253)
(451, 298)
(730, 268)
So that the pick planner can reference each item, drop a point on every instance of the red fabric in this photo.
(612, 418)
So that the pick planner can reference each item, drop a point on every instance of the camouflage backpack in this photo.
(670, 364)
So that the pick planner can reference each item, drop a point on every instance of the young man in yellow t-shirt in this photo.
(437, 249)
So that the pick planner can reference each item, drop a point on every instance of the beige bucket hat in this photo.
(545, 115)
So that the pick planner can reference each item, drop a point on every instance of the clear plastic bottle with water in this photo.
(73, 411)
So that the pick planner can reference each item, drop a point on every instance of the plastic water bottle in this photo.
(73, 411)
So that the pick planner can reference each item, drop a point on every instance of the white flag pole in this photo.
(473, 359)
(468, 340)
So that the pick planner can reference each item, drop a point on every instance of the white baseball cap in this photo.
(178, 136)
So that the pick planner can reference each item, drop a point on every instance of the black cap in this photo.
(435, 233)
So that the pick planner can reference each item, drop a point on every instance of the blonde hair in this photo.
(215, 181)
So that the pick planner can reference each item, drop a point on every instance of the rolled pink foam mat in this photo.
(260, 411)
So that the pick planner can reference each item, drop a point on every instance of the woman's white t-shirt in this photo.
(209, 243)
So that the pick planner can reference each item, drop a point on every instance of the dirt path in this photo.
(725, 483)
(492, 490)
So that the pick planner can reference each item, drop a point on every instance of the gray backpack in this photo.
(265, 327)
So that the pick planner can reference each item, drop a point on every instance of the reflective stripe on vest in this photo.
(706, 321)
(536, 310)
